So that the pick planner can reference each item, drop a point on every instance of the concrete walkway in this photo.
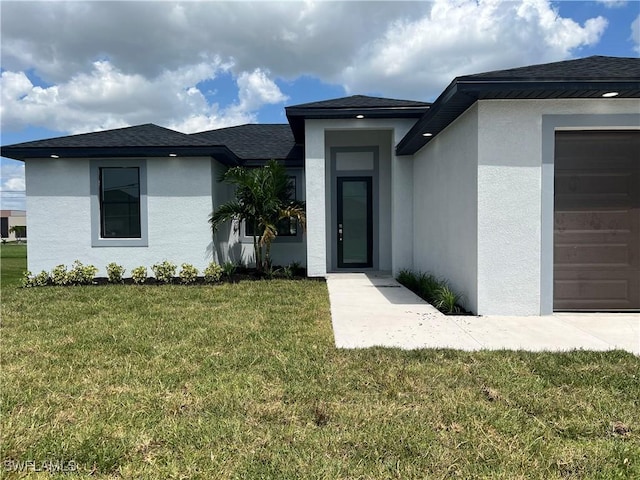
(374, 310)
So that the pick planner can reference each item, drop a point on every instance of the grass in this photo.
(243, 381)
(14, 262)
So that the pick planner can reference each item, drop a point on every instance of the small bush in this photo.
(39, 280)
(409, 279)
(229, 268)
(164, 272)
(288, 272)
(60, 276)
(139, 274)
(115, 272)
(270, 273)
(446, 300)
(428, 286)
(437, 292)
(297, 268)
(213, 273)
(188, 273)
(82, 274)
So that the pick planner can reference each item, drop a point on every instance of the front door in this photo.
(355, 222)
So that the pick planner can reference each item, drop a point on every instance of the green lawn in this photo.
(243, 381)
(14, 262)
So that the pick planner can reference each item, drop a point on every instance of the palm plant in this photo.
(264, 196)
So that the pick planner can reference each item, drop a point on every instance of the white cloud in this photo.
(12, 186)
(635, 33)
(257, 89)
(613, 3)
(424, 54)
(108, 98)
(107, 64)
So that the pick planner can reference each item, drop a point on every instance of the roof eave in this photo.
(462, 93)
(222, 153)
(296, 116)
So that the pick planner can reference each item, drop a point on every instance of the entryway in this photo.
(357, 198)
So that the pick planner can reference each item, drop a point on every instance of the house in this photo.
(520, 186)
(13, 225)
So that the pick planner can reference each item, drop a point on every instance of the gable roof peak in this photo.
(359, 101)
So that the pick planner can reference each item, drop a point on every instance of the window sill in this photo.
(119, 242)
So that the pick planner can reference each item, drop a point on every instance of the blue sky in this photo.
(72, 67)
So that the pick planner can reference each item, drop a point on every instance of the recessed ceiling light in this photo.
(359, 116)
(610, 94)
(427, 134)
(173, 154)
(53, 155)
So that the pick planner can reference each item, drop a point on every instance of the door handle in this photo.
(339, 232)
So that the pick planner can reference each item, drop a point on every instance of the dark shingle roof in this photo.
(141, 140)
(350, 107)
(254, 141)
(589, 77)
(593, 68)
(360, 101)
(138, 136)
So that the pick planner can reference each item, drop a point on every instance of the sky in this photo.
(75, 67)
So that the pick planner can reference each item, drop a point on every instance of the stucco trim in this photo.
(94, 170)
(551, 124)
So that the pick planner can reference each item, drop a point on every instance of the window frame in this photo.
(297, 238)
(96, 208)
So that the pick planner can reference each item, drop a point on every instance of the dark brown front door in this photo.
(597, 221)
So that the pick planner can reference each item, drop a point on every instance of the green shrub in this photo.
(428, 286)
(288, 272)
(188, 273)
(115, 272)
(213, 273)
(437, 292)
(446, 300)
(39, 280)
(270, 273)
(139, 274)
(59, 275)
(409, 279)
(82, 274)
(229, 268)
(164, 272)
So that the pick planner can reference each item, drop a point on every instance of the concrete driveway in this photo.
(374, 310)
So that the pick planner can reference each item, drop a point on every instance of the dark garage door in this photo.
(597, 221)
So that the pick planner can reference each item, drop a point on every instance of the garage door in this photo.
(597, 221)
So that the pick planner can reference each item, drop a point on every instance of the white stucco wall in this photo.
(512, 243)
(59, 223)
(483, 201)
(320, 136)
(445, 206)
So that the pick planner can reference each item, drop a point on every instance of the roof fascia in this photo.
(221, 153)
(465, 92)
(296, 116)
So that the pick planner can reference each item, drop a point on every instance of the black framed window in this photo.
(120, 202)
(287, 227)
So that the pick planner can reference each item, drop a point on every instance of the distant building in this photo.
(10, 219)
